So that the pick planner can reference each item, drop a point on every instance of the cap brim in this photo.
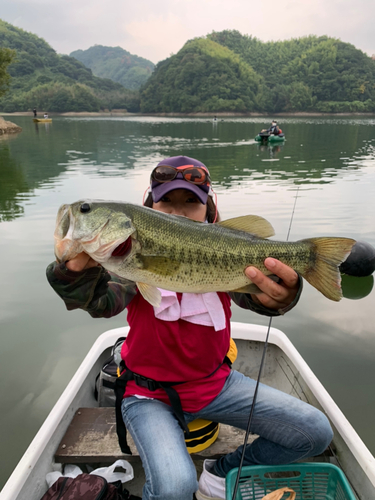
(162, 189)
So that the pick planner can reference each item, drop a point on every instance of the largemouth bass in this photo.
(155, 249)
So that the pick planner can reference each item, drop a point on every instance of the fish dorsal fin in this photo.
(254, 224)
(150, 293)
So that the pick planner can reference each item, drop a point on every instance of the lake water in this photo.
(326, 169)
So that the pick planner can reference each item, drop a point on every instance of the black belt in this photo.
(151, 385)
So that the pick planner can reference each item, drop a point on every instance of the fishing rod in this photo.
(247, 434)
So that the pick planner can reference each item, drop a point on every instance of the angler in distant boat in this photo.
(45, 119)
(271, 134)
(274, 129)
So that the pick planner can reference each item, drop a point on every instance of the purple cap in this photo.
(158, 190)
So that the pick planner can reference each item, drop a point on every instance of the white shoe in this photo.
(210, 487)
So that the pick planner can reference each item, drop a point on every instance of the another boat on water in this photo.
(267, 137)
(284, 369)
(42, 120)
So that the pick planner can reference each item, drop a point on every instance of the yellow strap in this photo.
(232, 353)
(278, 494)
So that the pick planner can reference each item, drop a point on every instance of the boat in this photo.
(285, 369)
(267, 137)
(42, 120)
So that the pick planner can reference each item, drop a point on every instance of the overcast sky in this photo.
(155, 29)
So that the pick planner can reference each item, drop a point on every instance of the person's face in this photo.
(182, 202)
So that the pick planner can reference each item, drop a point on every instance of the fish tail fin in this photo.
(324, 274)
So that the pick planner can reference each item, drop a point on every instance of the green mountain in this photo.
(222, 72)
(117, 64)
(202, 77)
(228, 71)
(50, 82)
(319, 72)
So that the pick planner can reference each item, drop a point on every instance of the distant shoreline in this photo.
(302, 114)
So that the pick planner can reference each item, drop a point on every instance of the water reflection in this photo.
(356, 288)
(43, 127)
(12, 183)
(272, 150)
(316, 152)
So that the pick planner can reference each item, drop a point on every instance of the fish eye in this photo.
(85, 207)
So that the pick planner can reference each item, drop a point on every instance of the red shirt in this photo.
(176, 351)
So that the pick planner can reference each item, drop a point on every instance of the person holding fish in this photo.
(174, 360)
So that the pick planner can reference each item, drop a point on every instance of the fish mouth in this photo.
(98, 241)
(66, 246)
(123, 249)
(67, 249)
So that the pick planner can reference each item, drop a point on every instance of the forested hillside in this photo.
(202, 76)
(6, 57)
(322, 73)
(50, 82)
(117, 64)
(307, 74)
(222, 72)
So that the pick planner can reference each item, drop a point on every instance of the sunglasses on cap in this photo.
(192, 174)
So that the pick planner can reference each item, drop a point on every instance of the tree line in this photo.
(222, 72)
(227, 71)
(41, 78)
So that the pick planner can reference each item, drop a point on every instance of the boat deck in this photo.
(91, 438)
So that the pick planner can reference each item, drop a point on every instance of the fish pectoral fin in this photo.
(150, 293)
(253, 289)
(159, 265)
(254, 224)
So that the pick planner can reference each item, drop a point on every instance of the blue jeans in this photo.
(288, 429)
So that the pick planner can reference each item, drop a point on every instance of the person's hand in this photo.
(274, 295)
(80, 262)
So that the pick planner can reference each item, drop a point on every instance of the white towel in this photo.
(199, 308)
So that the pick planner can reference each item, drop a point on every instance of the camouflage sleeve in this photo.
(94, 290)
(245, 301)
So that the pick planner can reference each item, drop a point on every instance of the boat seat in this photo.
(91, 439)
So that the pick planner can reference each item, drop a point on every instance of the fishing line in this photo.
(258, 382)
(291, 219)
(251, 412)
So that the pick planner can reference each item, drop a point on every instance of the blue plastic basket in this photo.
(310, 481)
